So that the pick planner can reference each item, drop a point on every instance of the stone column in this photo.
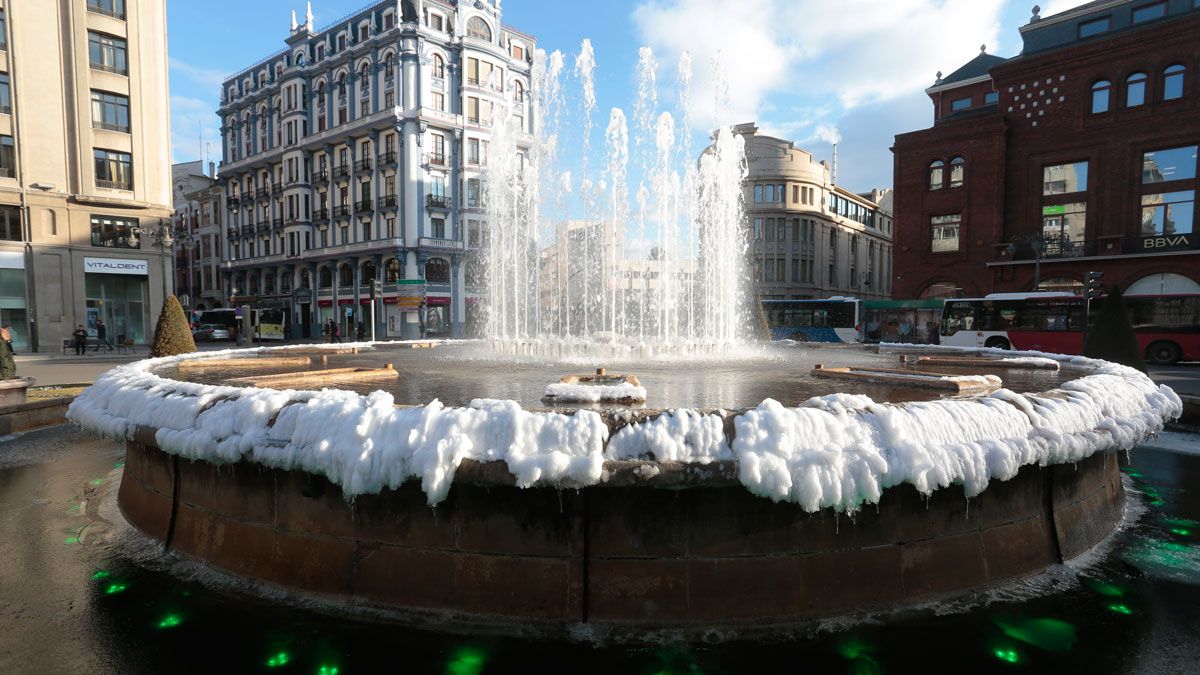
(459, 298)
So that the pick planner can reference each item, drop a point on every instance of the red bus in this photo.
(1167, 326)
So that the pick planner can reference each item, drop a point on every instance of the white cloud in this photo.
(208, 77)
(859, 52)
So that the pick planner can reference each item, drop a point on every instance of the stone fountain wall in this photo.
(704, 560)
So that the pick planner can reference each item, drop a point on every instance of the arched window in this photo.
(937, 170)
(1173, 81)
(389, 70)
(326, 277)
(300, 59)
(478, 28)
(1135, 90)
(437, 271)
(368, 273)
(321, 98)
(518, 91)
(285, 282)
(345, 276)
(439, 67)
(305, 279)
(341, 90)
(394, 271)
(364, 79)
(956, 171)
(254, 285)
(1101, 91)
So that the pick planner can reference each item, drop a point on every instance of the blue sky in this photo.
(807, 70)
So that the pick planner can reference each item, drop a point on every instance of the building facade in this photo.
(357, 153)
(85, 182)
(810, 238)
(197, 233)
(1077, 155)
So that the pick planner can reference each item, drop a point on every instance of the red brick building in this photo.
(1077, 155)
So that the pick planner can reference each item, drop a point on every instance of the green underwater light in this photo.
(1119, 608)
(1181, 531)
(1105, 588)
(100, 574)
(1007, 655)
(278, 659)
(327, 669)
(115, 588)
(170, 620)
(1052, 635)
(466, 661)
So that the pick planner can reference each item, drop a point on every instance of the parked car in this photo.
(210, 332)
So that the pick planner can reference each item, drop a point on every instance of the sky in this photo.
(810, 71)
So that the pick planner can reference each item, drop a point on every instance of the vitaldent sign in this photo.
(139, 268)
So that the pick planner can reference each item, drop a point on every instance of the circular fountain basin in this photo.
(659, 541)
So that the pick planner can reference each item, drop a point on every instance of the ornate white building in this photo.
(357, 153)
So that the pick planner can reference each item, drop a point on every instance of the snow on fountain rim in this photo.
(838, 451)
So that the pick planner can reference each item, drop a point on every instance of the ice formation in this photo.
(837, 451)
(595, 393)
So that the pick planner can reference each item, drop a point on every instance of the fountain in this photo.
(727, 490)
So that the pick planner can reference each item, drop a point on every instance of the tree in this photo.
(8, 366)
(1111, 335)
(172, 335)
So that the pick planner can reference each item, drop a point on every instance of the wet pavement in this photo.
(81, 593)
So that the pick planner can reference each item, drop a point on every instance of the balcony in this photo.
(232, 233)
(342, 211)
(262, 193)
(363, 165)
(364, 205)
(321, 214)
(247, 230)
(437, 201)
(387, 159)
(97, 9)
(342, 171)
(109, 69)
(232, 200)
(105, 126)
(387, 202)
(277, 222)
(441, 244)
(436, 159)
(321, 177)
(114, 184)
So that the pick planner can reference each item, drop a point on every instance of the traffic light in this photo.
(1094, 287)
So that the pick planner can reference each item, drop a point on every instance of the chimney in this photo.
(212, 169)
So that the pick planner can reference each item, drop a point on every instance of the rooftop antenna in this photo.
(833, 172)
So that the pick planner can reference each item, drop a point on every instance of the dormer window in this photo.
(479, 29)
(1095, 27)
(364, 32)
(436, 22)
(518, 52)
(389, 20)
(960, 104)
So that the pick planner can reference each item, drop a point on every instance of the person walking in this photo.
(102, 335)
(80, 336)
(6, 335)
(335, 331)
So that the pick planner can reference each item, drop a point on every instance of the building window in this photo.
(1095, 26)
(114, 170)
(944, 232)
(1100, 96)
(1168, 214)
(439, 67)
(472, 151)
(1059, 179)
(1135, 90)
(389, 20)
(5, 95)
(956, 171)
(10, 225)
(436, 22)
(107, 53)
(991, 98)
(3, 31)
(1173, 82)
(1064, 228)
(1148, 12)
(960, 104)
(1169, 164)
(474, 196)
(113, 232)
(518, 52)
(478, 28)
(110, 111)
(937, 171)
(437, 271)
(439, 102)
(437, 228)
(113, 8)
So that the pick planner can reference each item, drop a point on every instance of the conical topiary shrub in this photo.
(172, 335)
(1111, 335)
(8, 366)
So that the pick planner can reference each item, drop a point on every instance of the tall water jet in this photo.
(580, 265)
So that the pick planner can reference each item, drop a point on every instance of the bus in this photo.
(831, 320)
(911, 321)
(1167, 326)
(269, 324)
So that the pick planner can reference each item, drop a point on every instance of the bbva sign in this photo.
(1177, 241)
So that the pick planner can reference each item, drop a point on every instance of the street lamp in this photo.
(189, 244)
(160, 236)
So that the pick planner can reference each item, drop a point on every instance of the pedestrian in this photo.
(102, 335)
(361, 333)
(80, 336)
(6, 335)
(335, 331)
